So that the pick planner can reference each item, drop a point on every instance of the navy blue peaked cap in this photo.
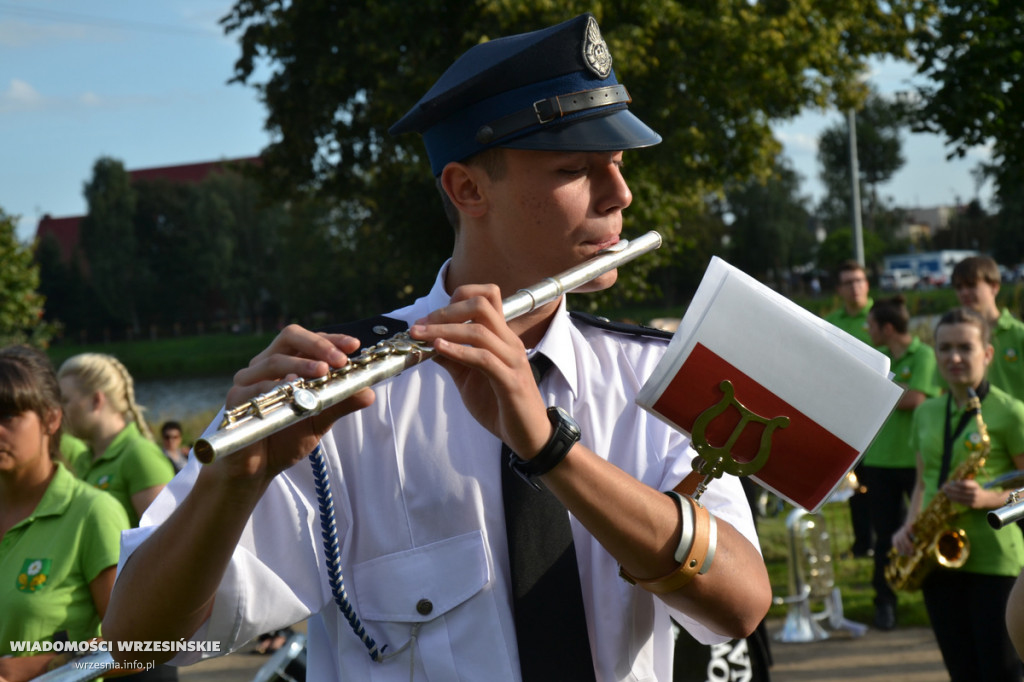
(550, 89)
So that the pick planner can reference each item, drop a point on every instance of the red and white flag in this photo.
(781, 361)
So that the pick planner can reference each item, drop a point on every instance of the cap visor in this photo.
(616, 131)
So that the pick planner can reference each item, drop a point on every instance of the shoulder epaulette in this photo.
(368, 331)
(620, 327)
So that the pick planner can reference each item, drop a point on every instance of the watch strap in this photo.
(566, 434)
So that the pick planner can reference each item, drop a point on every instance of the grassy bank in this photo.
(187, 356)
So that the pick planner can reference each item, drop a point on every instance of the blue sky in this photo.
(146, 83)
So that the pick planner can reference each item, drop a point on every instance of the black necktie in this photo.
(551, 626)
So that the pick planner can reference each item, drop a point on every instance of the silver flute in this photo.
(300, 399)
(1011, 512)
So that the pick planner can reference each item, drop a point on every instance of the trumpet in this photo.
(1009, 513)
(294, 401)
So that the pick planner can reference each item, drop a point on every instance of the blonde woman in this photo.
(98, 396)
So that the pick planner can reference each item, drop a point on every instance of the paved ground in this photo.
(902, 655)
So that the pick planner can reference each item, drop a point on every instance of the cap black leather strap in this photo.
(547, 110)
(566, 434)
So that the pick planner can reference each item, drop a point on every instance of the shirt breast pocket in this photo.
(440, 597)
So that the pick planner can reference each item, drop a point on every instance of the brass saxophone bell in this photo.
(952, 548)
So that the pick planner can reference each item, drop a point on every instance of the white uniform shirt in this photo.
(417, 494)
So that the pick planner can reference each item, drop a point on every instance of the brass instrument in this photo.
(936, 540)
(294, 401)
(811, 575)
(813, 595)
(1011, 512)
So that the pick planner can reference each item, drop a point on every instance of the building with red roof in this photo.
(66, 230)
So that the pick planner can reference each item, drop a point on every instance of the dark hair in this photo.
(849, 266)
(966, 316)
(973, 269)
(892, 311)
(29, 383)
(171, 424)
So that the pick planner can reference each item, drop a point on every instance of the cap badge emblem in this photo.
(595, 50)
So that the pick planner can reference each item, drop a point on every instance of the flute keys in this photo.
(305, 400)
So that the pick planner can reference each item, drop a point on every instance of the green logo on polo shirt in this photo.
(973, 442)
(103, 482)
(1010, 355)
(34, 573)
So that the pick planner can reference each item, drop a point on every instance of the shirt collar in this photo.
(1005, 319)
(557, 343)
(57, 497)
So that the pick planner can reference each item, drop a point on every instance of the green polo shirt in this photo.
(72, 448)
(48, 560)
(1007, 368)
(855, 325)
(993, 552)
(917, 370)
(131, 463)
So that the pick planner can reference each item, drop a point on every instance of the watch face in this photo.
(565, 435)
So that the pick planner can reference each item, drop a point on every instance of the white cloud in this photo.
(798, 142)
(20, 96)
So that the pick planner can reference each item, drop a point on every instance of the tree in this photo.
(973, 54)
(108, 239)
(879, 157)
(771, 228)
(21, 304)
(711, 76)
(838, 247)
(1008, 233)
(68, 294)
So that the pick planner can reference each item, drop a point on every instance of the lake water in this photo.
(180, 398)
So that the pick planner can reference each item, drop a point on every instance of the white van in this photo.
(899, 280)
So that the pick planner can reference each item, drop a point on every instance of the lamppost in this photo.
(858, 230)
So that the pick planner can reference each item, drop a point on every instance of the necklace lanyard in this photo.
(949, 438)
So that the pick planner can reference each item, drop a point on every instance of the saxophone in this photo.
(936, 540)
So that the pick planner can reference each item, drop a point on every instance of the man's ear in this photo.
(462, 183)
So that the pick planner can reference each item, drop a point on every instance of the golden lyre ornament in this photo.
(713, 460)
(937, 540)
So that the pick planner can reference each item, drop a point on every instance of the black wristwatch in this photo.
(566, 434)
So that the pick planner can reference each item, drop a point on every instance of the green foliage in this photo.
(879, 156)
(69, 298)
(771, 229)
(838, 246)
(21, 304)
(1007, 225)
(108, 239)
(710, 76)
(973, 53)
